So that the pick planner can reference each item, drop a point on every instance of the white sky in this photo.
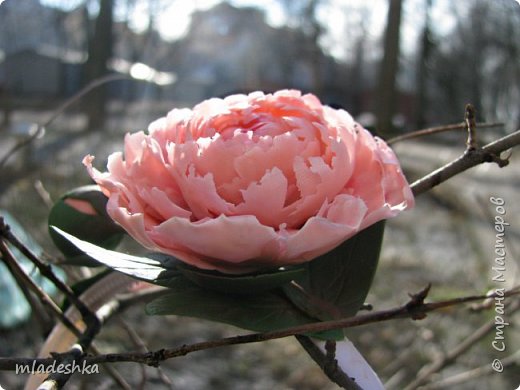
(174, 18)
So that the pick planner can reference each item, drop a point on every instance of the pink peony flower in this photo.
(252, 182)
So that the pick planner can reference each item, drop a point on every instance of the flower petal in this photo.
(221, 243)
(321, 234)
(265, 200)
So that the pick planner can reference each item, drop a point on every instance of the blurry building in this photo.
(230, 49)
(226, 50)
(41, 74)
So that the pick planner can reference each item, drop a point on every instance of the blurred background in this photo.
(404, 67)
(395, 65)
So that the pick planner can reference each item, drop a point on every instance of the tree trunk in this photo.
(356, 82)
(99, 52)
(387, 94)
(314, 30)
(425, 47)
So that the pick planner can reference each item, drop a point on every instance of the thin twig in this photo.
(414, 309)
(15, 268)
(436, 130)
(139, 342)
(330, 348)
(470, 158)
(41, 126)
(89, 318)
(335, 374)
(43, 193)
(103, 314)
(470, 126)
(71, 354)
(112, 372)
(452, 381)
(20, 274)
(56, 380)
(426, 373)
(42, 317)
(115, 375)
(93, 325)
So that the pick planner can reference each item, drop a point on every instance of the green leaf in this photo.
(98, 229)
(260, 312)
(142, 268)
(240, 284)
(151, 268)
(337, 283)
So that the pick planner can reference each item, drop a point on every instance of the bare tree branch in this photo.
(89, 318)
(478, 372)
(47, 301)
(56, 380)
(436, 130)
(334, 373)
(37, 306)
(470, 158)
(415, 309)
(140, 343)
(443, 361)
(470, 126)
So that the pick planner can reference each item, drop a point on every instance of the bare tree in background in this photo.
(315, 30)
(386, 94)
(357, 73)
(304, 15)
(479, 63)
(100, 45)
(424, 51)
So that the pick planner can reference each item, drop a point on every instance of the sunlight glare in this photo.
(141, 71)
